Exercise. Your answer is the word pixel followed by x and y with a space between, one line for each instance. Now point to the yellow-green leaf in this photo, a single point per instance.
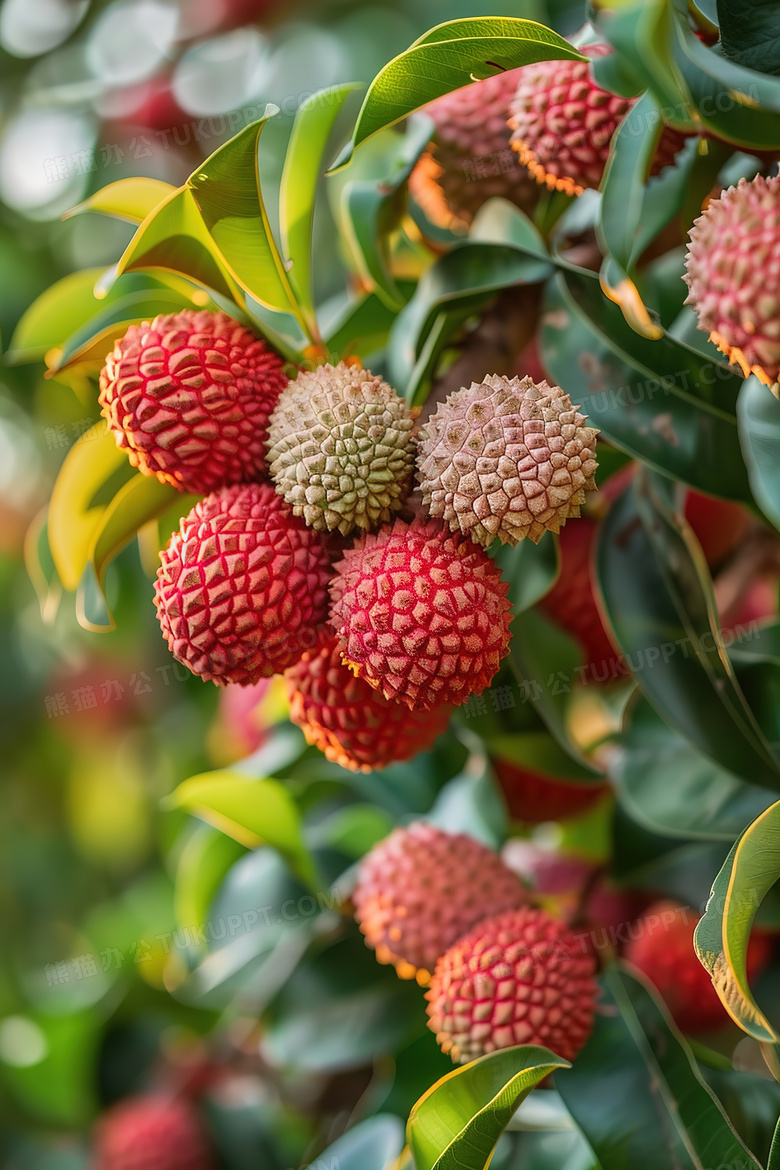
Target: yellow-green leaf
pixel 456 1124
pixel 722 936
pixel 129 199
pixel 252 812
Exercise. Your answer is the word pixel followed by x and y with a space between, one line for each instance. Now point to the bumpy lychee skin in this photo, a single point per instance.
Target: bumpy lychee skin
pixel 470 160
pixel 571 603
pixel 241 588
pixel 506 459
pixel 340 448
pixel 521 977
pixel 563 124
pixel 733 275
pixel 188 397
pixel 349 721
pixel 533 797
pixel 421 614
pixel 661 946
pixel 420 889
pixel 150 1133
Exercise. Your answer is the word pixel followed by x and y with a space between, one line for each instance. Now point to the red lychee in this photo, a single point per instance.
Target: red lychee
pixel 661 946
pixel 151 1133
pixel 351 722
pixel 241 589
pixel 420 889
pixel 518 978
pixel 534 797
pixel 188 396
pixel 421 614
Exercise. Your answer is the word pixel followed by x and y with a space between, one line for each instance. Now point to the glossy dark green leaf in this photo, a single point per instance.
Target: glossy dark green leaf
pixel 470 803
pixel 658 597
pixel 758 415
pixel 448 57
pixel 752 1103
pixel 456 1124
pixel 636 1093
pixel 374 1144
pixel 722 935
pixel 625 176
pixel 363 326
pixel 531 569
pixel 672 788
pixel 650 398
pixel 311 129
pixel 546 663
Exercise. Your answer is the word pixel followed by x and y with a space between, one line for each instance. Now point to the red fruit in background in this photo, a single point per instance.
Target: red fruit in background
pixel 151 1133
pixel 518 978
pixel 534 797
pixel 719 525
pixel 421 614
pixel 571 602
pixel 189 395
pixel 241 588
pixel 420 889
pixel 661 946
pixel 349 721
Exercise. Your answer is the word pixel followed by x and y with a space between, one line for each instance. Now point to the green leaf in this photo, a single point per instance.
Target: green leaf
pixel 353 830
pixel 539 751
pixel 40 567
pixel 456 1124
pixel 623 185
pixel 758 416
pixel 362 327
pixel 129 199
pixel 722 935
pixel 141 499
pixel 74 516
pixel 448 57
pixel 705 801
pixel 200 870
pixel 374 1144
pixel 371 210
pixel 649 398
pixel 451 290
pixel 774 1153
pixel 311 129
pixel 252 812
pixel 750 33
pixel 658 597
pixel 636 1093
pixel 470 803
pixel 545 661
pixel 531 569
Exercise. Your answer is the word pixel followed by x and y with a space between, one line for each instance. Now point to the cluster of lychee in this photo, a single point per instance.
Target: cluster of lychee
pixel 560 125
pixel 307 555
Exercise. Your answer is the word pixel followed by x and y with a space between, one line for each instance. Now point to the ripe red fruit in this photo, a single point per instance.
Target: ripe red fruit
pixel 188 397
pixel 534 797
pixel 563 124
pixel 151 1133
pixel 241 589
pixel 421 613
pixel 469 160
pixel 661 946
pixel 420 889
pixel 349 721
pixel 571 602
pixel 518 978
pixel 733 275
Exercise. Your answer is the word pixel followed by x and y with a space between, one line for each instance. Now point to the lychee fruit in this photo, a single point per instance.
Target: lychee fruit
pixel 521 977
pixel 340 448
pixel 506 458
pixel 420 889
pixel 151 1133
pixel 470 160
pixel 351 722
pixel 563 124
pixel 421 614
pixel 661 946
pixel 733 275
pixel 534 797
pixel 571 603
pixel 241 589
pixel 188 397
